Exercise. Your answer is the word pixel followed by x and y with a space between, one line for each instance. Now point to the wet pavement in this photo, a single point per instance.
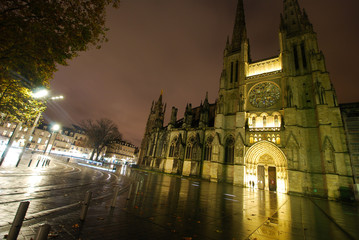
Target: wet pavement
pixel 163 207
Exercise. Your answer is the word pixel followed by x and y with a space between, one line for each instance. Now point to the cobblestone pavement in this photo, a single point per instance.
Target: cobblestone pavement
pixel 162 207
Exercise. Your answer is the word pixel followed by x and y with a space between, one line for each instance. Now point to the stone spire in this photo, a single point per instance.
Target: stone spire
pixel 239 30
pixel 294 20
pixel 204 114
pixel 188 116
pixel 205 103
pixel 159 104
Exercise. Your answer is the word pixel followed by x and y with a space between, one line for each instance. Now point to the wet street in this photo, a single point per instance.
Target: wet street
pixel 161 207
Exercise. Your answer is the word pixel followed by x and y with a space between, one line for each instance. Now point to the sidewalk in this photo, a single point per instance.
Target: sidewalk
pixel 168 207
pixel 171 207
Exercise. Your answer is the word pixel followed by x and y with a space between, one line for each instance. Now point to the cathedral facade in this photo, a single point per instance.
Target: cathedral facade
pixel 276 124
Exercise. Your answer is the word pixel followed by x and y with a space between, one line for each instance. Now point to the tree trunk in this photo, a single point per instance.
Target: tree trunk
pixel 97 154
pixel 92 154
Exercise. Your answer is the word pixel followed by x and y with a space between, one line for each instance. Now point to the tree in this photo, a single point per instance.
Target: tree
pixel 17 104
pixel 100 133
pixel 38 35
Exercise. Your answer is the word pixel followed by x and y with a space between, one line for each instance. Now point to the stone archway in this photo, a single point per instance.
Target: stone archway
pixel 266 167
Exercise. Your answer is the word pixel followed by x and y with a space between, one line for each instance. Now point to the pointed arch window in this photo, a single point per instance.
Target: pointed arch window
pixel 329 158
pixel 229 151
pixel 231 80
pixel 196 153
pixel 177 147
pixel 173 148
pixel 208 149
pixel 302 46
pixel 236 74
pixel 160 146
pixel 151 147
pixel 295 53
pixel 251 139
pixel 264 121
pixel 192 151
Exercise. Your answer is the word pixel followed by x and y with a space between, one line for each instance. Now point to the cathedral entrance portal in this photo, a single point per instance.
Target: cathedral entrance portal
pixel 266 167
pixel 272 180
pixel 261 177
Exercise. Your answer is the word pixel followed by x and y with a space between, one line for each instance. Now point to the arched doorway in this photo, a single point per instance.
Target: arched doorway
pixel 266 167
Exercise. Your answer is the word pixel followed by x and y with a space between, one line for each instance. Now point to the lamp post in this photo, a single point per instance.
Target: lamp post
pixel 41 94
pixel 54 128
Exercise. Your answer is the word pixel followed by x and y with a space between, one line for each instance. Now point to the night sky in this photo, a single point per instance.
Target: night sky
pixel 177 46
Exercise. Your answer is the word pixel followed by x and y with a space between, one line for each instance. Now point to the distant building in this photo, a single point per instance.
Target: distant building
pixel 68 141
pixel 121 152
pixel 39 139
pixel 276 124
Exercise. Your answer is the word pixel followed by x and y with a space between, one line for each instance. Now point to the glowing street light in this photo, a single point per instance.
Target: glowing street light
pixel 40 93
pixel 57 97
pixel 55 128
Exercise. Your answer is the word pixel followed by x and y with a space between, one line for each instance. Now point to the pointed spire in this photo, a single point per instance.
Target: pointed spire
pixel 306 20
pixel 205 105
pixel 239 30
pixel 293 19
pixel 173 116
pixel 160 98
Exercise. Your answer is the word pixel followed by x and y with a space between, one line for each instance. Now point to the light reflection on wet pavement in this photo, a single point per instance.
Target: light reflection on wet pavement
pixel 166 207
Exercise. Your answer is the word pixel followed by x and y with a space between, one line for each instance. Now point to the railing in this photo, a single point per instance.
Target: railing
pixel 266 66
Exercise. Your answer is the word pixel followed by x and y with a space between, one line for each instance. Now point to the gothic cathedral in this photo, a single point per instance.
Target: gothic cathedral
pixel 276 124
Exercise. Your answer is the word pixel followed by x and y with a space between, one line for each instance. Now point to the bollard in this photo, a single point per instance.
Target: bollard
pixel 129 192
pixel 137 186
pixel 113 204
pixel 85 205
pixel 48 163
pixel 38 161
pixel 43 232
pixel 141 184
pixel 19 218
pixel 136 192
pixel 43 162
pixel 29 163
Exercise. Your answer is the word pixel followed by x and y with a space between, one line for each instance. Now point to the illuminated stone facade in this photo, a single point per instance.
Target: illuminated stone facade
pixel 276 124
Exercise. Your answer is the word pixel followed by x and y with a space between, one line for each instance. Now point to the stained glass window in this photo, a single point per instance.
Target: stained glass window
pixel 264 95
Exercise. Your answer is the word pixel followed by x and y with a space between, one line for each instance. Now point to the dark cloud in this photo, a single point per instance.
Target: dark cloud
pixel 177 46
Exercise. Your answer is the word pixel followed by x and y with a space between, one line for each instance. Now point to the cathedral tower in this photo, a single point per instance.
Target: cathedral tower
pixel 315 145
pixel 154 124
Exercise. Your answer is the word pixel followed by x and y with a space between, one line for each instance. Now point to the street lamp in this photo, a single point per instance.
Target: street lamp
pixel 41 95
pixel 54 128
